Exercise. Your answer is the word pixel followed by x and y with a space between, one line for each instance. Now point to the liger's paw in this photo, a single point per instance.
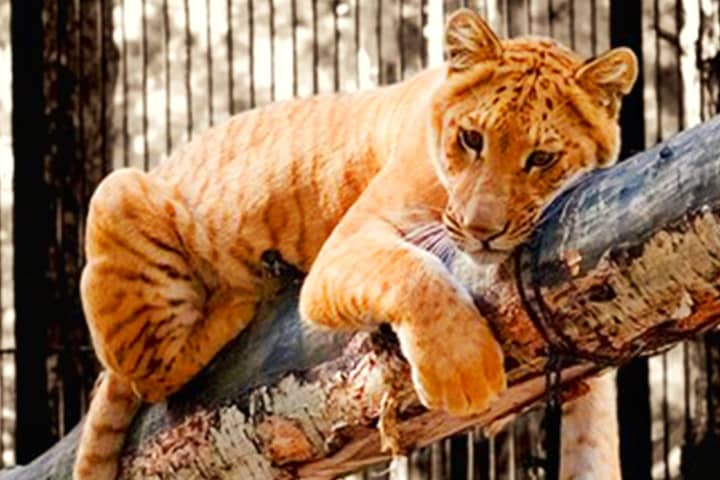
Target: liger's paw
pixel 456 364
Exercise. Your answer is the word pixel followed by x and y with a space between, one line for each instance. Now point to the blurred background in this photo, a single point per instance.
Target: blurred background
pixel 90 85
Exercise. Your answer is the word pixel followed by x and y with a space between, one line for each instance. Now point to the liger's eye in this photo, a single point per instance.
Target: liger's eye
pixel 540 159
pixel 471 140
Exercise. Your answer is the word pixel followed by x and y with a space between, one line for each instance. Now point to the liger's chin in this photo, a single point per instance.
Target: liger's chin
pixel 481 253
pixel 484 256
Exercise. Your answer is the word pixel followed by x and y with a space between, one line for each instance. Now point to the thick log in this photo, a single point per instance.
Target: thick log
pixel 624 264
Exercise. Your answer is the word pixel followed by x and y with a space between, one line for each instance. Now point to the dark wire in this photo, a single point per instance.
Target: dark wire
pixel 553 415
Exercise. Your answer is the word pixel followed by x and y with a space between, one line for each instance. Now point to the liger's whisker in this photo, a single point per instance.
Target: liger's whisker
pixel 421 232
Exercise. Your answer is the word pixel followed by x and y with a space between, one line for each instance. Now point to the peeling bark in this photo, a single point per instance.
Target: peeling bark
pixel 626 263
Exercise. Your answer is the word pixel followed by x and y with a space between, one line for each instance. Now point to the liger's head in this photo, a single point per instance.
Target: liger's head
pixel 514 123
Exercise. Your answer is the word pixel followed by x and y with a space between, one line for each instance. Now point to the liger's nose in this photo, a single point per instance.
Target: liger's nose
pixel 486 217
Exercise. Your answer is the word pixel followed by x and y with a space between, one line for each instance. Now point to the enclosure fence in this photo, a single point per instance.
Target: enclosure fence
pixel 100 84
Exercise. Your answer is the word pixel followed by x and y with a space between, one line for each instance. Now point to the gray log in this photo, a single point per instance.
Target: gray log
pixel 625 263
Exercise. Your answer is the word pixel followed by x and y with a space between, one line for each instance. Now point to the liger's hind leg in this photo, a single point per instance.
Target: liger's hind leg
pixel 153 320
pixel 193 348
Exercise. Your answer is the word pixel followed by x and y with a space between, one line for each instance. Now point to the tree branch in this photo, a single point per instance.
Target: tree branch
pixel 626 263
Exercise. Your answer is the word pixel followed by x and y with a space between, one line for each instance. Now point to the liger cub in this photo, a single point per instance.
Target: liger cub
pixel 337 184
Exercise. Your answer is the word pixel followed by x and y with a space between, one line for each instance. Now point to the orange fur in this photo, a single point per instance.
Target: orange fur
pixel 333 183
pixel 111 412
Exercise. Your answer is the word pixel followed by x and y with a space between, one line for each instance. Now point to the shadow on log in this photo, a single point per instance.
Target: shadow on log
pixel 624 264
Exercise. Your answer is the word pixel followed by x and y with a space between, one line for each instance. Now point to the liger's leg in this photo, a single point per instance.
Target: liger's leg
pixel 590 437
pixel 366 274
pixel 152 319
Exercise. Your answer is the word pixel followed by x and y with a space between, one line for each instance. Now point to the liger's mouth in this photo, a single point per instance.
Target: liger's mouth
pixel 487 241
pixel 476 248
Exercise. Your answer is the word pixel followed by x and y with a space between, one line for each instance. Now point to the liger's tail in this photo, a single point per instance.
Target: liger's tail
pixel 111 412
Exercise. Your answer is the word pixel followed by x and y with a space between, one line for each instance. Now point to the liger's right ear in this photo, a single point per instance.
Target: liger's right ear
pixel 610 76
pixel 615 71
pixel 469 40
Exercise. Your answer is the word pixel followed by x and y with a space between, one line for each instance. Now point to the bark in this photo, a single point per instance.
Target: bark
pixel 624 264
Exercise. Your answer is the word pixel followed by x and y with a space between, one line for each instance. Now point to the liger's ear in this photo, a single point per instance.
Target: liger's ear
pixel 609 76
pixel 469 40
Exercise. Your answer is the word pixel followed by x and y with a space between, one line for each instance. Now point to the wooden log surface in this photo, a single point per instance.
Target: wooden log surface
pixel 624 264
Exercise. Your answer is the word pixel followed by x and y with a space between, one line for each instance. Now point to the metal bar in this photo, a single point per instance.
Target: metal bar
pixel 571 20
pixel 710 372
pixel 593 25
pixel 658 72
pixel 188 70
pixel 209 61
pixel 106 167
pixel 80 73
pixel 230 59
pixel 72 195
pixel 271 19
pixel 665 418
pixel 357 43
pixel 145 125
pixel 378 39
pixel 166 54
pixel 701 68
pixel 687 396
pixel 458 456
pixel 682 121
pixel 471 455
pixel 293 13
pixel 528 9
pixel 59 185
pixel 551 17
pixel 315 49
pixel 31 240
pixel 125 130
pixel 492 462
pixel 336 47
pixel 423 40
pixel 512 472
pixel 401 38
pixel 508 21
pixel 633 387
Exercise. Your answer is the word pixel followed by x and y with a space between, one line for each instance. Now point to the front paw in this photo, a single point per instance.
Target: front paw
pixel 457 365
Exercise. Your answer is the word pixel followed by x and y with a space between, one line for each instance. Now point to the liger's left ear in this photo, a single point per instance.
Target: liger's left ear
pixel 469 40
pixel 609 76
